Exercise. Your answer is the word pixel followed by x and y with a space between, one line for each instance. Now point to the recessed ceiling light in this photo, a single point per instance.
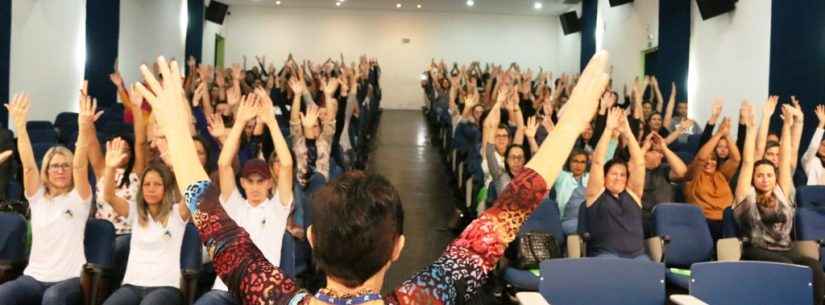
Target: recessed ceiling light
pixel 337 3
pixel 277 2
pixel 471 3
pixel 398 5
pixel 418 6
pixel 538 5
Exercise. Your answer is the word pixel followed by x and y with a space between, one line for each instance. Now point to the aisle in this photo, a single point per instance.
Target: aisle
pixel 403 155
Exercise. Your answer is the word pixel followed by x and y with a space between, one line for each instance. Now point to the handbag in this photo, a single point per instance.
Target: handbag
pixel 535 247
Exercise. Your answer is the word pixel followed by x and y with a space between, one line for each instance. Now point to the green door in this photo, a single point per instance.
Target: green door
pixel 219 51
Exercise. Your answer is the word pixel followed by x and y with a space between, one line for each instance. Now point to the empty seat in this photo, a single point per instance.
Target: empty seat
pixel 811 195
pixel 686 238
pixel 98 246
pixel 39 125
pixel 615 281
pixel 751 282
pixel 545 219
pixel 40 150
pixel 191 260
pixel 65 120
pixel 43 136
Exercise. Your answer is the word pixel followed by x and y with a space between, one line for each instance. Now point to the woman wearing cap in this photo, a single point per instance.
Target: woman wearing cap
pixel 358 231
pixel 263 217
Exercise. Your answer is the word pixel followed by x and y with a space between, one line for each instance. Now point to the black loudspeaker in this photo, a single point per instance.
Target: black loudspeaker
pixel 216 12
pixel 713 8
pixel 619 2
pixel 570 23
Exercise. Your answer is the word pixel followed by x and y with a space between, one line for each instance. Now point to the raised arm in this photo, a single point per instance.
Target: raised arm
pixel 530 133
pixel 298 87
pixel 595 184
pixel 671 103
pixel 748 159
pixel 681 129
pixel 80 172
pixel 712 120
pixel 810 154
pixel 140 124
pixel 115 155
pixel 785 178
pixel 678 168
pixel 796 131
pixel 246 112
pixel 762 138
pixel 19 110
pixel 657 94
pixel 285 179
pixel 168 100
pixel 636 164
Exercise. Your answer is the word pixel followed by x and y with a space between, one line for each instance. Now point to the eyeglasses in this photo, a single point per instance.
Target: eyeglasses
pixel 502 136
pixel 59 166
pixel 516 158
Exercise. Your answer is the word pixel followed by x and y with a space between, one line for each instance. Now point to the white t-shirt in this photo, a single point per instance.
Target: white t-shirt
pixel 58 226
pixel 265 224
pixel 154 252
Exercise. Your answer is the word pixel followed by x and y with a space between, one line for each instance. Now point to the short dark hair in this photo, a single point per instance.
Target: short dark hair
pixel 507 155
pixel 357 219
pixel 575 152
pixel 771 144
pixel 613 162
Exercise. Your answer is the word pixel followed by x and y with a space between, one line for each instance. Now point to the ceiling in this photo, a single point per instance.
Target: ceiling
pixel 508 7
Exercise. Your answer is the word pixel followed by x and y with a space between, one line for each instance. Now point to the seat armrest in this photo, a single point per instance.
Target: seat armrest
pixel 189 285
pixel 808 248
pixel 531 298
pixel 728 249
pixel 684 299
pixel 575 244
pixel 655 248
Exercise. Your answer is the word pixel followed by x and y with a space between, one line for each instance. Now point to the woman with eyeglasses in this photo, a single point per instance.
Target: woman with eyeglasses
pixel 60 200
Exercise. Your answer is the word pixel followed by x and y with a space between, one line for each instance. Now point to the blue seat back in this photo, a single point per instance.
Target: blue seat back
pixel 492 193
pixel 583 226
pixel 812 195
pixel 13 230
pixel 685 225
pixel 65 120
pixel 40 150
pixel 730 228
pixel 43 136
pixel 546 219
pixel 190 252
pixel 616 281
pixel 39 125
pixel 99 242
pixel 751 282
pixel 810 223
pixel 686 156
pixel 287 264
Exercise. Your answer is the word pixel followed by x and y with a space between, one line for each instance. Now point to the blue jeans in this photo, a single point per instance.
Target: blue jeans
pixel 121 256
pixel 217 297
pixel 26 290
pixel 136 295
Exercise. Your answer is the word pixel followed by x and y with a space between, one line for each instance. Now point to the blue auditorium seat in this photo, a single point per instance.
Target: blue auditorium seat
pixel 751 282
pixel 66 120
pixel 40 150
pixel 615 281
pixel 811 195
pixel 686 236
pixel 191 260
pixel 39 125
pixel 287 263
pixel 544 219
pixel 98 246
pixel 43 136
pixel 13 252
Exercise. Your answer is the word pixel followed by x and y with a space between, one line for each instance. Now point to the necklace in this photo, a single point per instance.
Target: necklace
pixel 330 297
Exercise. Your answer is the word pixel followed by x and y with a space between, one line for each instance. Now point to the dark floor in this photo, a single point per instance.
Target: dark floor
pixel 404 155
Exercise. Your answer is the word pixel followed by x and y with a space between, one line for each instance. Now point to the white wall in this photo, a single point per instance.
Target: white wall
pixel 623 31
pixel 149 28
pixel 568 50
pixel 47 54
pixel 210 29
pixel 319 34
pixel 730 58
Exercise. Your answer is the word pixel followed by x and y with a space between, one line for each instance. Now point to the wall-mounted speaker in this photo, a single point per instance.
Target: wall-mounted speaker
pixel 570 23
pixel 216 11
pixel 713 8
pixel 619 2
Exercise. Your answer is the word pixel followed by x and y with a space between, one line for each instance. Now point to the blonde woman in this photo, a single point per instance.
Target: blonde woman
pixel 60 200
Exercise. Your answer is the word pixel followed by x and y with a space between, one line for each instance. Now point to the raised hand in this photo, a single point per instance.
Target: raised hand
pixel 167 98
pixel 266 110
pixel 311 117
pixel 216 126
pixel 769 107
pixel 116 78
pixel 236 72
pixel 199 93
pixel 716 110
pixel 298 86
pixel 248 109
pixel 797 110
pixel 87 115
pixel 330 86
pixel 614 118
pixel 233 95
pixel 746 114
pixel 607 101
pixel 19 109
pixel 724 129
pixel 532 127
pixel 115 153
pixel 820 114
pixel 787 114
